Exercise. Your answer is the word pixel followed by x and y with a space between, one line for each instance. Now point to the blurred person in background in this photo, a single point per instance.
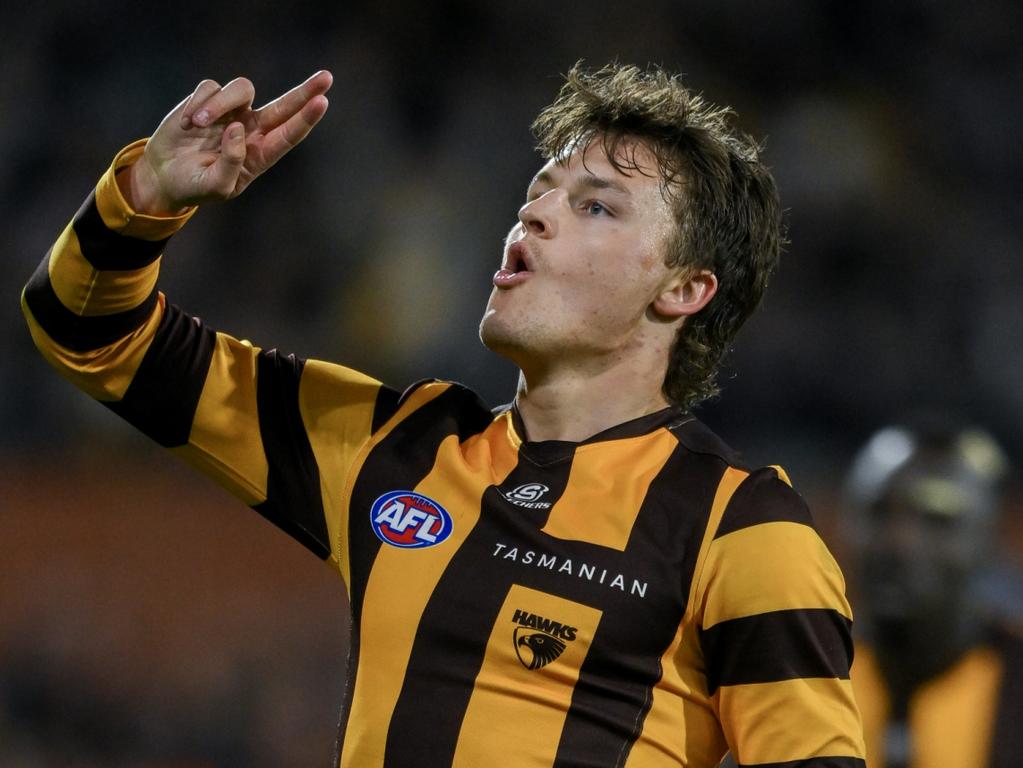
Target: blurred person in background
pixel 584 576
pixel 938 671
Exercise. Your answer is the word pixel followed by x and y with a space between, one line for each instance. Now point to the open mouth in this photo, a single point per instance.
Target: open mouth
pixel 518 260
pixel 516 268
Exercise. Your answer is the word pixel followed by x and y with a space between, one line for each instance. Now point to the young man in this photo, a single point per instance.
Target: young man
pixel 587 577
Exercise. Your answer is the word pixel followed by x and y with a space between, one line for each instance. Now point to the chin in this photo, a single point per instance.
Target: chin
pixel 508 342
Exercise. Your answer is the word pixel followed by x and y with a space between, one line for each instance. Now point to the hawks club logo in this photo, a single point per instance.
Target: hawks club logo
pixel 409 520
pixel 539 641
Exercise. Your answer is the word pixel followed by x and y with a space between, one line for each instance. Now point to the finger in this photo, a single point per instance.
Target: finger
pixel 203 91
pixel 222 175
pixel 280 109
pixel 237 94
pixel 284 137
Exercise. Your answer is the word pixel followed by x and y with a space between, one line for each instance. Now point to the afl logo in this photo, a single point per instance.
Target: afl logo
pixel 409 520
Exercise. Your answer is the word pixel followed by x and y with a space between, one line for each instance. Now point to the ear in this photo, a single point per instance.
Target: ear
pixel 686 293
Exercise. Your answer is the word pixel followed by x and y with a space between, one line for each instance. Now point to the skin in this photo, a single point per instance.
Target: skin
pixel 592 322
pixel 214 144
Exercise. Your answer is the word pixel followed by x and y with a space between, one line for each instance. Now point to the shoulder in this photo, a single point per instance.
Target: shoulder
pixel 436 402
pixel 749 495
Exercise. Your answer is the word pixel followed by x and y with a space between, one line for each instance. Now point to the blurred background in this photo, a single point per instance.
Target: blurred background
pixel 148 619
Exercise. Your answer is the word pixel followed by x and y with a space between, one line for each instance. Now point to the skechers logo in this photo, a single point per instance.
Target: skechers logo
pixel 528 496
pixel 539 641
pixel 409 520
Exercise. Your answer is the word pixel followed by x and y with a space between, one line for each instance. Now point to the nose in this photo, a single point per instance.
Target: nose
pixel 537 216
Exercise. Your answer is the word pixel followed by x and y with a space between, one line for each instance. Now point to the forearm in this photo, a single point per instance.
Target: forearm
pixel 92 305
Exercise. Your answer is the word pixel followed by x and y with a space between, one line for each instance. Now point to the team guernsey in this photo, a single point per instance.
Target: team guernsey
pixel 636 599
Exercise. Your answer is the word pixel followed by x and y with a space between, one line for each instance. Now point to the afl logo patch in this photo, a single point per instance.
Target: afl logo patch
pixel 409 520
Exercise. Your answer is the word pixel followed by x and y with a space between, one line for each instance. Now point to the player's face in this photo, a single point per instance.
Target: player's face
pixel 584 263
pixel 925 539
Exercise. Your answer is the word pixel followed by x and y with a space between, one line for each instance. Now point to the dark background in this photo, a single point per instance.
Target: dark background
pixel 146 618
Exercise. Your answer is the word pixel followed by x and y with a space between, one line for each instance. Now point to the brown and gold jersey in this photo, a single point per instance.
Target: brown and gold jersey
pixel 636 599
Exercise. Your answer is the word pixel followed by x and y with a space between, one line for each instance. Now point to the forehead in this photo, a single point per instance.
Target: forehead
pixel 634 168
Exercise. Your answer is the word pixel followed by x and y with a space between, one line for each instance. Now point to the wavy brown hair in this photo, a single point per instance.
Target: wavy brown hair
pixel 728 217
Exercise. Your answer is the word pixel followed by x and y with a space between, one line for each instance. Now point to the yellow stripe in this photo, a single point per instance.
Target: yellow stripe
pixel 88 292
pixel 951 717
pixel 681 720
pixel 119 216
pixel 681 726
pixel 512 705
pixel 820 720
pixel 782 475
pixel 416 400
pixel 337 406
pixel 730 481
pixel 102 373
pixel 402 581
pixel 225 441
pixel 770 567
pixel 583 512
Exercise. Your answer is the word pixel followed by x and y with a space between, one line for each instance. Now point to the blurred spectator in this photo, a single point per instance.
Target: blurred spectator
pixel 939 661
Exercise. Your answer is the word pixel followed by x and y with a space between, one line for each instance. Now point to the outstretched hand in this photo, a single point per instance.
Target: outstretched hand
pixel 214 144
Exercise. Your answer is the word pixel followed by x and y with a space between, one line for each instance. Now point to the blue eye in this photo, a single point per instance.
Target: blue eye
pixel 596 208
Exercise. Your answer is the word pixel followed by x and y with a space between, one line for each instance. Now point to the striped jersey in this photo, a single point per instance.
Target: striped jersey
pixel 636 599
pixel 968 714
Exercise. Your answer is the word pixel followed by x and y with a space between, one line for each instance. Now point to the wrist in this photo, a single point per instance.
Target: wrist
pixel 141 189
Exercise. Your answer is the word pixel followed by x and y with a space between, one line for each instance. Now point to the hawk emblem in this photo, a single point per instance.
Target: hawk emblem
pixel 536 649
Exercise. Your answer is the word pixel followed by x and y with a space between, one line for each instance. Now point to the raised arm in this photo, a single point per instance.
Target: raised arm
pixel 265 425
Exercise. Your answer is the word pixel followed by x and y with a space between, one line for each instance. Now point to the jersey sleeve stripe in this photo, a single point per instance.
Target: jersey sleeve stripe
pixel 293 500
pixel 770 567
pixel 824 708
pixel 106 249
pixel 781 645
pixel 163 395
pixel 758 501
pixel 813 762
pixel 75 332
pixel 88 292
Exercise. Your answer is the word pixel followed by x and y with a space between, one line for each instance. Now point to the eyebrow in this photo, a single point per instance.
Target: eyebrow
pixel 589 181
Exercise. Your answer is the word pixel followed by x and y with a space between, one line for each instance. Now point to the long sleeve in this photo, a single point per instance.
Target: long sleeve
pixel 266 426
pixel 774 629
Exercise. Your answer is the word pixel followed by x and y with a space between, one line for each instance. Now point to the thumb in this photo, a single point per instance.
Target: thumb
pixel 223 174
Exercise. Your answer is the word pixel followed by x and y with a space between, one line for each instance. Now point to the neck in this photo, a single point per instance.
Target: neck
pixel 571 404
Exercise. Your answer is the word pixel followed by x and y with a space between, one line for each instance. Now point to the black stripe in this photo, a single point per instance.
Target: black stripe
pixel 698 438
pixel 162 397
pixel 400 461
pixel 293 500
pixel 812 762
pixel 763 498
pixel 106 249
pixel 77 333
pixel 386 406
pixel 780 645
pixel 458 622
pixel 615 688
